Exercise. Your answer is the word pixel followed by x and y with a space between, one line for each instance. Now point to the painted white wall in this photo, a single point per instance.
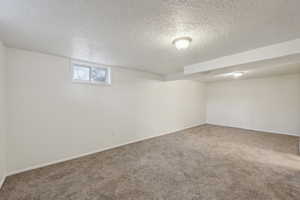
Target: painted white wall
pixel 3 96
pixel 269 104
pixel 51 119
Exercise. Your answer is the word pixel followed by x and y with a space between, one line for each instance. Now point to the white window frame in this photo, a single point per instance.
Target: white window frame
pixel 90 66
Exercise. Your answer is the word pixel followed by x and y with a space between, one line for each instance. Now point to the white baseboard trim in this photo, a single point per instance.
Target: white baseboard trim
pixel 99 150
pixel 253 129
pixel 2 181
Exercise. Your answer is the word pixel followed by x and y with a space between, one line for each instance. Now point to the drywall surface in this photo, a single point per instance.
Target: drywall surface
pixel 2 113
pixel 269 104
pixel 51 118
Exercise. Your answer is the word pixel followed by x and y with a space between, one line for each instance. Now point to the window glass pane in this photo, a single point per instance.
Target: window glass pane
pixel 99 74
pixel 81 73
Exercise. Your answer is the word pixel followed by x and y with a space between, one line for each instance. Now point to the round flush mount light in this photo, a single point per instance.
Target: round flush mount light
pixel 182 42
pixel 237 74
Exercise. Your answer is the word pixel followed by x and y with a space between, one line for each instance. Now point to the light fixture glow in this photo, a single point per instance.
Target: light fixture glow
pixel 182 43
pixel 232 74
pixel 237 74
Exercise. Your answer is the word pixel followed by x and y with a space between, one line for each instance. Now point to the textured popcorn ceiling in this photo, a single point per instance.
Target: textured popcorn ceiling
pixel 138 33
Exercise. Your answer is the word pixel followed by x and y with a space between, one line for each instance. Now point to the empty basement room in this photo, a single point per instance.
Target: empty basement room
pixel 149 100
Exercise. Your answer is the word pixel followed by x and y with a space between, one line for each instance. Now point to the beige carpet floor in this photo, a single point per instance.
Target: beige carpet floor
pixel 207 162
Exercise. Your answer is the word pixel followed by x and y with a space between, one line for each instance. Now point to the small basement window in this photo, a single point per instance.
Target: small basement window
pixel 83 72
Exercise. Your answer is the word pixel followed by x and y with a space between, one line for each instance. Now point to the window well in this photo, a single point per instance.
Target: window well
pixel 84 72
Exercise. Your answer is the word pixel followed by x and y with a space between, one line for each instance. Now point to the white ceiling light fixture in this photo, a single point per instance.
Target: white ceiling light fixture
pixel 237 74
pixel 182 42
